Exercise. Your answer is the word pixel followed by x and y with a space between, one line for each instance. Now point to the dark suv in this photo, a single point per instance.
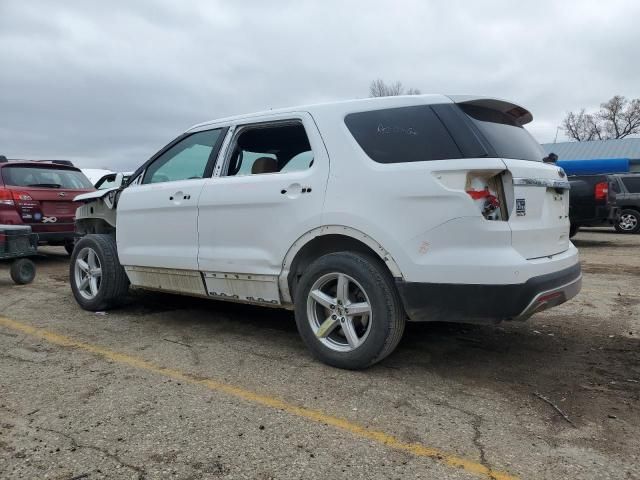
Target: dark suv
pixel 40 194
pixel 627 189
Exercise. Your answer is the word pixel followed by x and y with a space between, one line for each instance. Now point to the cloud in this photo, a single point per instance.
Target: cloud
pixel 109 83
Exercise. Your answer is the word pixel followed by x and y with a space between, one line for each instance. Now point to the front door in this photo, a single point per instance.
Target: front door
pixel 157 216
pixel 267 194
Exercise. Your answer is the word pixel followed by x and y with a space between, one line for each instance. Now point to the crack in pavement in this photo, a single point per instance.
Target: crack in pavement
pixel 74 443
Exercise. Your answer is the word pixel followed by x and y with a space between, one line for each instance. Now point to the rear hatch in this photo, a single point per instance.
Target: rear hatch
pixel 537 193
pixel 43 193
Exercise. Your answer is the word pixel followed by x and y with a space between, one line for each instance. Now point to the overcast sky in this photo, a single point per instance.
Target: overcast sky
pixel 107 83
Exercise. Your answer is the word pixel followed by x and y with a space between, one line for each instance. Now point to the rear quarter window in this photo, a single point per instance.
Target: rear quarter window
pixel 405 134
pixel 632 184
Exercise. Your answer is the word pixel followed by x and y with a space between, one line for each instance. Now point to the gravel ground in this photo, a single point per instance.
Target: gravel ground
pixel 172 387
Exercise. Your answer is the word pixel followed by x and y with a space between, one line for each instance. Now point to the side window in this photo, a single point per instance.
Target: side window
pixel 188 159
pixel 405 134
pixel 632 184
pixel 270 149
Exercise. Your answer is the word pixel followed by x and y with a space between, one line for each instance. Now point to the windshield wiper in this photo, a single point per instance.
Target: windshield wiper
pixel 46 185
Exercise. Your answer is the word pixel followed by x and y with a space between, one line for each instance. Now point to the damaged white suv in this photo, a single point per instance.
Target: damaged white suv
pixel 358 215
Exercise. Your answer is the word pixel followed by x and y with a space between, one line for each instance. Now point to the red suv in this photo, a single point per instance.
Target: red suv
pixel 40 194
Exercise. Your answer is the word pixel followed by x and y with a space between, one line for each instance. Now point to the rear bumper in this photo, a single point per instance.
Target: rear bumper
pixel 488 303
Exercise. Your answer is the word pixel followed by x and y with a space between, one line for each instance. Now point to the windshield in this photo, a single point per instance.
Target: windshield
pixel 45 177
pixel 507 138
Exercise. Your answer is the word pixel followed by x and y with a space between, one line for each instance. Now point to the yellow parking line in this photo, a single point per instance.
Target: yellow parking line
pixel 265 400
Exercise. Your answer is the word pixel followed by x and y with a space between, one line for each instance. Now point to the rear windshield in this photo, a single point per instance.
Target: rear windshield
pixel 27 176
pixel 508 139
pixel 405 134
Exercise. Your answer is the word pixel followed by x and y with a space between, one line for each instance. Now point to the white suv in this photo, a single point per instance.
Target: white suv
pixel 358 215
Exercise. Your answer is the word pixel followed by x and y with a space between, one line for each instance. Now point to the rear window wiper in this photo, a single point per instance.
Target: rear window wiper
pixel 45 185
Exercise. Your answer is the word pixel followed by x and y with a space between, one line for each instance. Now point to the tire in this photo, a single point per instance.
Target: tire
pixel 370 286
pixel 92 290
pixel 23 271
pixel 573 229
pixel 629 221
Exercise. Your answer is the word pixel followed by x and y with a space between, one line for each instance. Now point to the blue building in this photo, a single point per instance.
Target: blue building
pixel 598 156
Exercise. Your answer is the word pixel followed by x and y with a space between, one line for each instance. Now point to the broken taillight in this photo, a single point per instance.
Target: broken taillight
pixel 486 192
pixel 601 190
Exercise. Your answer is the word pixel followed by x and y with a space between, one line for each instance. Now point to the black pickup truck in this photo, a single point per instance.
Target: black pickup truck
pixel 592 202
pixel 626 188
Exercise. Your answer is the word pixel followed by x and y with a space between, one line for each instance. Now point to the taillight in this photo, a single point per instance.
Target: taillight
pixel 10 197
pixel 6 198
pixel 601 190
pixel 486 193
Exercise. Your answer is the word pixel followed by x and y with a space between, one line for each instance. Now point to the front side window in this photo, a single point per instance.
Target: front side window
pixel 270 149
pixel 45 177
pixel 405 134
pixel 190 158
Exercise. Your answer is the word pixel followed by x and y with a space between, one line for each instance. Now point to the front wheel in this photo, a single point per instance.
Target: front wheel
pixel 98 281
pixel 348 311
pixel 629 221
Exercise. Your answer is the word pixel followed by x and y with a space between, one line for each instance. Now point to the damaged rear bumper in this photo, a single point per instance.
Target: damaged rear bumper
pixel 424 302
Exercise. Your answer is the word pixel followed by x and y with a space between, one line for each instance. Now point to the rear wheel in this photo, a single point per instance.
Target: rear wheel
pixel 23 271
pixel 629 221
pixel 98 281
pixel 348 311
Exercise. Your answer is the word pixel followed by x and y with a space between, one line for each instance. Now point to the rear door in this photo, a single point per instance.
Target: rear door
pixel 267 194
pixel 538 192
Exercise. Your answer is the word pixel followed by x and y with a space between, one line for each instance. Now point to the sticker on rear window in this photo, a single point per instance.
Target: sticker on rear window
pixel 521 207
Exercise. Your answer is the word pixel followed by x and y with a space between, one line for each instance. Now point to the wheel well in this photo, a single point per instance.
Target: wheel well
pixel 324 245
pixel 93 225
pixel 631 207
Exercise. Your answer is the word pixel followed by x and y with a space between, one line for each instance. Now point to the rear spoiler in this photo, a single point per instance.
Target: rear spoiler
pixel 521 115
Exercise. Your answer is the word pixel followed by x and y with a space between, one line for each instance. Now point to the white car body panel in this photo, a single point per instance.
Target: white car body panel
pixel 157 226
pixel 246 224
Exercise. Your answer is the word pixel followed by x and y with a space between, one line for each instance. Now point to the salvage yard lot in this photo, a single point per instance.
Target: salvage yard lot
pixel 171 387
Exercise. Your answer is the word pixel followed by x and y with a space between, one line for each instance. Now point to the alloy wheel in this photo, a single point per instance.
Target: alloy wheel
pixel 339 312
pixel 628 222
pixel 88 273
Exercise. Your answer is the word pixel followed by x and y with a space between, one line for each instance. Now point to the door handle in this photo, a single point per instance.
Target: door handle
pixel 295 189
pixel 177 195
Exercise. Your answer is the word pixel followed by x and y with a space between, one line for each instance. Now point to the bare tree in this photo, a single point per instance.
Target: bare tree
pixel 617 118
pixel 581 126
pixel 378 88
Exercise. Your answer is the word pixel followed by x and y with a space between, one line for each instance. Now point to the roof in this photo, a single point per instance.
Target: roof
pixel 596 149
pixel 349 106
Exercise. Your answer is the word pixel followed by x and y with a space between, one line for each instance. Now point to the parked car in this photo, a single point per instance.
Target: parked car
pixel 591 202
pixel 356 215
pixel 627 199
pixel 112 180
pixel 40 195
